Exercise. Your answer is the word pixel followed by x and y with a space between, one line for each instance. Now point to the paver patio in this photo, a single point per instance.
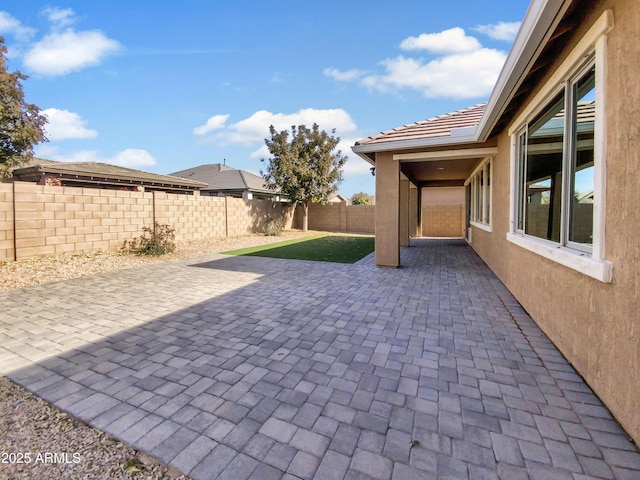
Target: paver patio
pixel 249 367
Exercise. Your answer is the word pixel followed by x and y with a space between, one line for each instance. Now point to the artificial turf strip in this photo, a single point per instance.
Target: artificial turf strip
pixel 330 248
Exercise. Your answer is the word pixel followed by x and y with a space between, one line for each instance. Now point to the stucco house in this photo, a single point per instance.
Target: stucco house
pixel 542 181
pixel 223 181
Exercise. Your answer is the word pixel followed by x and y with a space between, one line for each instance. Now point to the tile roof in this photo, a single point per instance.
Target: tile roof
pixel 222 178
pixel 440 126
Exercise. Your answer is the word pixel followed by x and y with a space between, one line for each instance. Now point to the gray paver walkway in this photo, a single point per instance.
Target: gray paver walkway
pixel 247 367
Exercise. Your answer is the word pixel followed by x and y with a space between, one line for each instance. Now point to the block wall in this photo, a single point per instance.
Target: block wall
pixel 361 218
pixel 50 219
pixel 339 217
pixel 443 211
pixel 442 220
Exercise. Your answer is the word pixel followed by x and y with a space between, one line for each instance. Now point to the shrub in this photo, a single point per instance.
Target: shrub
pixel 273 228
pixel 154 241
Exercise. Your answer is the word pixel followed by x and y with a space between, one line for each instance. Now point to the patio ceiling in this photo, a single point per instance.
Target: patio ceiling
pixel 439 172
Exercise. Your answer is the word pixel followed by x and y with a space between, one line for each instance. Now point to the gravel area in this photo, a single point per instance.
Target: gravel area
pixel 40 442
pixel 24 273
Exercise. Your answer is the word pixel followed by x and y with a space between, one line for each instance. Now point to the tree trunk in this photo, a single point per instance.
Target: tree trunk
pixel 305 217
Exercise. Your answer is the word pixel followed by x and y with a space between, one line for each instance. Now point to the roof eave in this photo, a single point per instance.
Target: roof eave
pixel 409 144
pixel 44 169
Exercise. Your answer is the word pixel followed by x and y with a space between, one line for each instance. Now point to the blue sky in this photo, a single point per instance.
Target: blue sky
pixel 164 86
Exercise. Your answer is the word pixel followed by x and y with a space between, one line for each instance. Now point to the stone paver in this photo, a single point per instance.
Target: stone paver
pixel 246 367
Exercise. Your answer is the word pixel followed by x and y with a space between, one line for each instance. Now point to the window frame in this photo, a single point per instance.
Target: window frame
pixel 481 185
pixel 589 261
pixel 566 97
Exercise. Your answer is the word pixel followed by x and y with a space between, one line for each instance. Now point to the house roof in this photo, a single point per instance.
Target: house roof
pixel 219 177
pixel 102 173
pixel 533 42
pixel 440 126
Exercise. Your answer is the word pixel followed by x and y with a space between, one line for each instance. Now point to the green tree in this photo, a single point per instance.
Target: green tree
pixel 361 198
pixel 21 124
pixel 303 165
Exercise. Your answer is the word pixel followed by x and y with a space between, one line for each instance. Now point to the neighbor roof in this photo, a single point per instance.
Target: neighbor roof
pixel 101 173
pixel 219 177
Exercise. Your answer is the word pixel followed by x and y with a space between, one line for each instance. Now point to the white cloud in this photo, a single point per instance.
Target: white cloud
pixel 59 17
pixel 506 31
pixel 345 76
pixel 262 152
pixel 47 151
pixel 454 40
pixel 12 26
pixel 356 167
pixel 254 129
pixel 465 75
pixel 133 157
pixel 214 123
pixel 458 67
pixel 60 53
pixel 65 125
pixel 130 157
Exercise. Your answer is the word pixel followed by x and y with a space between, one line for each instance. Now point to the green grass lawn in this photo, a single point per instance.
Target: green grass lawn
pixel 329 248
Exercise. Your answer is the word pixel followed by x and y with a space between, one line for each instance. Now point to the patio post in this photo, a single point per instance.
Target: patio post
pixel 387 247
pixel 404 210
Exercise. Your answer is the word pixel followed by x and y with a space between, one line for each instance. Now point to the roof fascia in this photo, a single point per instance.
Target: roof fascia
pixel 417 143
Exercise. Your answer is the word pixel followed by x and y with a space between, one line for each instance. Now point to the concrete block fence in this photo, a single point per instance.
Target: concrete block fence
pixel 340 217
pixel 40 220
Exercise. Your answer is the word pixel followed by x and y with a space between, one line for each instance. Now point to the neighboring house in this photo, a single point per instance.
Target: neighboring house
pixel 101 175
pixel 226 181
pixel 545 176
pixel 337 198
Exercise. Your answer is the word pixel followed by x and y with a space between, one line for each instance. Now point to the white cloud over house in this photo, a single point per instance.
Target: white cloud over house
pixel 451 64
pixel 252 131
pixel 66 125
pixel 505 31
pixel 133 157
pixel 130 157
pixel 255 128
pixel 214 123
pixel 453 40
pixel 463 75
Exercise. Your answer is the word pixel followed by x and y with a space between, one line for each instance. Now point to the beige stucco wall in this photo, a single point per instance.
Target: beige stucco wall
pixel 595 325
pixel 443 211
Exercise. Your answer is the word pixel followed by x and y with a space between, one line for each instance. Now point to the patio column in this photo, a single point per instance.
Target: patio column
pixel 405 189
pixel 387 248
pixel 414 211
